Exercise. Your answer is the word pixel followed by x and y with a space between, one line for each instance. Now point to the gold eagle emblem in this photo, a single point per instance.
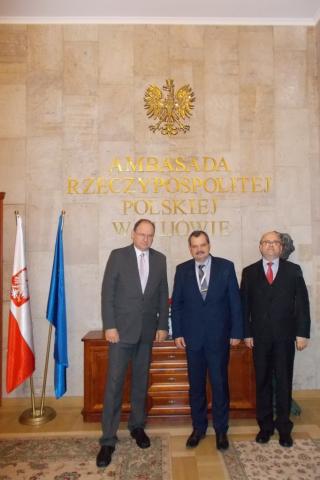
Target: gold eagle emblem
pixel 170 111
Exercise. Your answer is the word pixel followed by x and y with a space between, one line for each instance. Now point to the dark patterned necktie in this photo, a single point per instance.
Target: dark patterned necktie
pixel 203 282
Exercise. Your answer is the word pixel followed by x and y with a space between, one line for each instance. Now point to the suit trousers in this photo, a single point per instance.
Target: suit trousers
pixel 215 362
pixel 273 361
pixel 120 354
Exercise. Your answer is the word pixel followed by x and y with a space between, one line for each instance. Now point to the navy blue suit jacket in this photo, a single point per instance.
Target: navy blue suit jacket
pixel 213 321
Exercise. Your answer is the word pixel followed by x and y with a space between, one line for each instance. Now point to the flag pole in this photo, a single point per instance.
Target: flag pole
pixel 33 407
pixel 44 414
pixel 44 383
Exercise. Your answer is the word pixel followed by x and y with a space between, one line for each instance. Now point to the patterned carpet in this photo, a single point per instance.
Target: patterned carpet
pixel 248 460
pixel 73 458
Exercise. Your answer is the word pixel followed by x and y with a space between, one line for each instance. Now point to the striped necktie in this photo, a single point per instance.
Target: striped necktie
pixel 203 282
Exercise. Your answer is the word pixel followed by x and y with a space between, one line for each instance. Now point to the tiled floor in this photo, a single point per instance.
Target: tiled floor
pixel 202 463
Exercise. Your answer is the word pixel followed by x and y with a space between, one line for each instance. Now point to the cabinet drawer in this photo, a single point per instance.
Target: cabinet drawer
pixel 170 355
pixel 169 381
pixel 169 404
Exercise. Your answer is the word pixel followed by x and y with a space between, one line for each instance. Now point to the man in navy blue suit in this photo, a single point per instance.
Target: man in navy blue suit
pixel 206 320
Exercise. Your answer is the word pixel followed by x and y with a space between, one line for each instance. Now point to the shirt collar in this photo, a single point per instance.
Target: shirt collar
pixel 275 262
pixel 206 263
pixel 138 252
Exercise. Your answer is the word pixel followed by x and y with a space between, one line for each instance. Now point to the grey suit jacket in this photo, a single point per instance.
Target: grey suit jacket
pixel 134 314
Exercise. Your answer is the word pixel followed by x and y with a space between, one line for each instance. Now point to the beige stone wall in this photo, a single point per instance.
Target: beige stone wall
pixel 71 100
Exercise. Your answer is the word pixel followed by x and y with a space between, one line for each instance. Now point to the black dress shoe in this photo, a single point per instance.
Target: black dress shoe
pixel 104 456
pixel 263 436
pixel 222 441
pixel 195 438
pixel 142 440
pixel 285 440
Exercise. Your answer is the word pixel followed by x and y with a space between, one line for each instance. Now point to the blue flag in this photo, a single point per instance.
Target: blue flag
pixel 56 314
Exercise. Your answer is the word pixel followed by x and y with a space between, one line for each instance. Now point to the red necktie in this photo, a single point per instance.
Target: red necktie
pixel 269 273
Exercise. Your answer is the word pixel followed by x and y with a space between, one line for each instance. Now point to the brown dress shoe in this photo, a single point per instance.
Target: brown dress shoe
pixel 104 456
pixel 195 438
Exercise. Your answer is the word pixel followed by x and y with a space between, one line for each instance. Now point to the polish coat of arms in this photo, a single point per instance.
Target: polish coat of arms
pixel 171 110
pixel 19 290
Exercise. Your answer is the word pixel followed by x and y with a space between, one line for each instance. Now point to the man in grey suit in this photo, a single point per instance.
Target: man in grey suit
pixel 134 304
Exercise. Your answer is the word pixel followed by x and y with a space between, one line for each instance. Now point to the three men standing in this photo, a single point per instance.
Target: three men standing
pixel 206 319
pixel 134 301
pixel 277 318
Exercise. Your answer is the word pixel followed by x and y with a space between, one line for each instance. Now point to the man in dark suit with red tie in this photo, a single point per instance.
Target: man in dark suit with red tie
pixel 206 319
pixel 277 319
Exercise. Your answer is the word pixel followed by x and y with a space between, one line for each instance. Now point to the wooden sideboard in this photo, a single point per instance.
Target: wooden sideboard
pixel 168 381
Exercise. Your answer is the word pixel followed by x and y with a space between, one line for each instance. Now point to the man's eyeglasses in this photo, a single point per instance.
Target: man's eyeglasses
pixel 268 243
pixel 143 235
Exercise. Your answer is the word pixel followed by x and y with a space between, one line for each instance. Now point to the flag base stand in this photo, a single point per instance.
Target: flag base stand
pixel 36 417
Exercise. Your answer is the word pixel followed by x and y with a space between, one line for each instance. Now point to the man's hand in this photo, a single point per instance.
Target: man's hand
pixel 112 335
pixel 180 343
pixel 301 343
pixel 249 342
pixel 234 341
pixel 161 335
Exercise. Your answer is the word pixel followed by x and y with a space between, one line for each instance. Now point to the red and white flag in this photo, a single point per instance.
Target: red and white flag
pixel 20 354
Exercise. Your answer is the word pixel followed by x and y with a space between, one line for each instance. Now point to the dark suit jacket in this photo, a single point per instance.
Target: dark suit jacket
pixel 279 311
pixel 135 314
pixel 213 320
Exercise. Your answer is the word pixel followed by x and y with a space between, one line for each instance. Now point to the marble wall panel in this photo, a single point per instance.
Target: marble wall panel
pixel 80 68
pixel 13 111
pixel 151 57
pixel 290 78
pixel 13 73
pixel 186 43
pixel 44 164
pixel 116 54
pixel 256 61
pixel 13 43
pixel 44 103
pixel 221 116
pixel 115 113
pixel 292 137
pixel 292 192
pixel 288 38
pixel 81 234
pixel 256 113
pixel 13 169
pixel 257 158
pixel 81 33
pixel 80 143
pixel 45 48
pixel 42 214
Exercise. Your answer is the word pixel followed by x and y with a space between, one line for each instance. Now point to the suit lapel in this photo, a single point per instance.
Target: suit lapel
pixel 214 277
pixel 133 266
pixel 151 270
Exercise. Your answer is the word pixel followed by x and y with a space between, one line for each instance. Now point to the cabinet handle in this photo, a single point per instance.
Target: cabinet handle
pixel 172 379
pixel 171 356
pixel 172 402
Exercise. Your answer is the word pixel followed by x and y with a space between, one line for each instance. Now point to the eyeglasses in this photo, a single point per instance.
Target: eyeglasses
pixel 143 235
pixel 268 243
